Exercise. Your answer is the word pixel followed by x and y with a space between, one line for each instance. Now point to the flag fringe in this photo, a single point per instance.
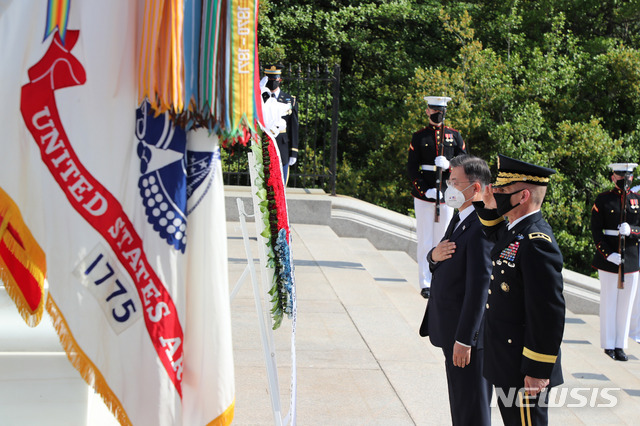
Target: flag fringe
pixel 226 417
pixel 83 364
pixel 27 252
pixel 31 318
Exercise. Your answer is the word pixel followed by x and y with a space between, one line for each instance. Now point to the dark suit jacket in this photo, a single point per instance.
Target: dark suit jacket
pixel 459 288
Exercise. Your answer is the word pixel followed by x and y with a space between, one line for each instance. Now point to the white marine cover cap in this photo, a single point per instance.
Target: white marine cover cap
pixel 623 167
pixel 438 101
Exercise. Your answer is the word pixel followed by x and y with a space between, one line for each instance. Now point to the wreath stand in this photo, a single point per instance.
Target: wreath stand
pixel 266 332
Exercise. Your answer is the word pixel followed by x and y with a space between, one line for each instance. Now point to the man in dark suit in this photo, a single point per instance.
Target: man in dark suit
pixel 525 311
pixel 287 140
pixel 461 266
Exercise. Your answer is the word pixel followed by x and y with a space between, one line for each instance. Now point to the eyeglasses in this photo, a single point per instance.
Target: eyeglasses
pixel 455 182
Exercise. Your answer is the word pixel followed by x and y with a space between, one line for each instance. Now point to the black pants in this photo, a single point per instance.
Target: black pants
pixel 520 409
pixel 469 391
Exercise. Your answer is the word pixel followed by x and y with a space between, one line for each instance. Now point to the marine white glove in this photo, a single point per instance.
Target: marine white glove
pixel 442 162
pixel 292 161
pixel 625 229
pixel 431 193
pixel 614 258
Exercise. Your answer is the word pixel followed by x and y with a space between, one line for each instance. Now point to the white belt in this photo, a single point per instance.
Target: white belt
pixel 428 167
pixel 613 232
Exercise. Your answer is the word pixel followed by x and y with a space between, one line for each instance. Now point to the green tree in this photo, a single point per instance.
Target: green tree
pixel 554 82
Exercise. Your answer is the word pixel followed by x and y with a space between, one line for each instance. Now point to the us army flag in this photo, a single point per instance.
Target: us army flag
pixel 128 210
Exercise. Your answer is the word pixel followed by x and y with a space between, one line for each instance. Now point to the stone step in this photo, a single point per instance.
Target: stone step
pixel 38 384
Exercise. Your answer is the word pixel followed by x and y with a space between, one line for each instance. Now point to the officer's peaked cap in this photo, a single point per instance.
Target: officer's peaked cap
pixel 437 101
pixel 623 167
pixel 511 171
pixel 273 71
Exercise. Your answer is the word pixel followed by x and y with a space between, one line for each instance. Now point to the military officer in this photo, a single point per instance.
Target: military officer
pixel 525 309
pixel 287 140
pixel 615 232
pixel 430 153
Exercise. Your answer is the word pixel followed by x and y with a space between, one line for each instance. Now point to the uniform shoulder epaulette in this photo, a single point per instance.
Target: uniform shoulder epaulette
pixel 451 128
pixel 535 235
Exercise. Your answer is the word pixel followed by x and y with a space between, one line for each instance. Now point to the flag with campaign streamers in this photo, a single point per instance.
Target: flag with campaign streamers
pixel 128 207
pixel 198 61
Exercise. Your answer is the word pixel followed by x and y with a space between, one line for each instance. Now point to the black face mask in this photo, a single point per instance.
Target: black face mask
pixel 437 117
pixel 503 202
pixel 620 183
pixel 273 84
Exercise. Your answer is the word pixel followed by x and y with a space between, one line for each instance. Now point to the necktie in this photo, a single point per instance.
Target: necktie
pixel 452 225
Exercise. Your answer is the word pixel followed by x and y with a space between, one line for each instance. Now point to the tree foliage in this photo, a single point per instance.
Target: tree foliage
pixel 554 82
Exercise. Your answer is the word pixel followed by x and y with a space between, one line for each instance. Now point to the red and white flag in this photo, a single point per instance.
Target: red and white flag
pixel 128 210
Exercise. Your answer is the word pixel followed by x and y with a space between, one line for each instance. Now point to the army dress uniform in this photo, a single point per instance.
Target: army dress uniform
pixel 525 311
pixel 615 304
pixel 524 314
pixel 421 169
pixel 287 140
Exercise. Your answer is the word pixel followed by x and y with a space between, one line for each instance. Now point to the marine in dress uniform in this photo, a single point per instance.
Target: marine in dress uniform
pixel 634 328
pixel 525 308
pixel 426 154
pixel 608 224
pixel 461 267
pixel 287 140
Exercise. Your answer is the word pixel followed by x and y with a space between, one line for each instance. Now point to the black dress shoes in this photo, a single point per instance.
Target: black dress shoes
pixel 617 354
pixel 620 355
pixel 425 292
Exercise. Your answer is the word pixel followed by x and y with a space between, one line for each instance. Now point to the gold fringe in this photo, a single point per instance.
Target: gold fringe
pixel 31 318
pixel 225 418
pixel 83 364
pixel 31 256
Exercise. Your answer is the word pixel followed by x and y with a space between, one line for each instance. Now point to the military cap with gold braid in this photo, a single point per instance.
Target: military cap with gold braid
pixel 273 70
pixel 511 171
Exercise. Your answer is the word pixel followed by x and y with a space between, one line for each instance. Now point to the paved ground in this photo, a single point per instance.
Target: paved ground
pixel 360 359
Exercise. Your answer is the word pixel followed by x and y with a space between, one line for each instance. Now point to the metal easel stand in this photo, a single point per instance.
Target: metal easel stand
pixel 266 333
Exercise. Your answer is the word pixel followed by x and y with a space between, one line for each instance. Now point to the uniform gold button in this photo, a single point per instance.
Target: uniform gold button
pixel 492 277
pixel 509 341
pixel 493 263
pixel 489 291
pixel 502 272
pixel 487 306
